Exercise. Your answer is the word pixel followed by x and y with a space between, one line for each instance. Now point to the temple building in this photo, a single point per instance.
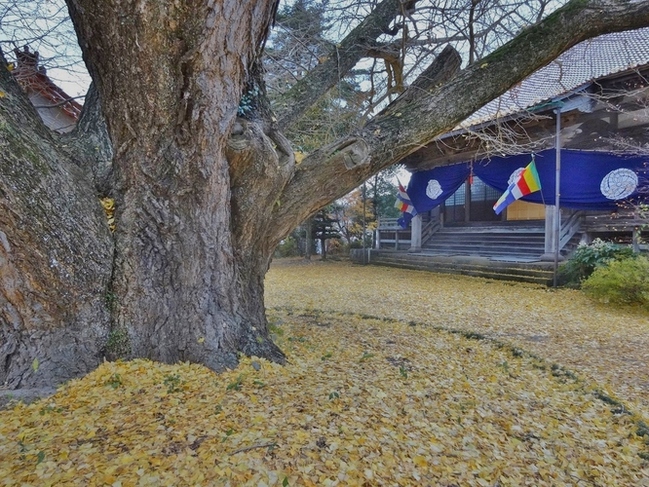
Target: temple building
pixel 583 118
pixel 58 110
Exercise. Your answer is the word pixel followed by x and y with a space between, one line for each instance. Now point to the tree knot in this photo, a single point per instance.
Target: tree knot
pixel 357 153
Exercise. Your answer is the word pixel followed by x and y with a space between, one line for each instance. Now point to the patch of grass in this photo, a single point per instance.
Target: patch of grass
pixel 403 372
pixel 366 356
pixel 473 335
pixel 299 339
pixel 643 430
pixel 114 381
pixel 173 382
pixel 235 385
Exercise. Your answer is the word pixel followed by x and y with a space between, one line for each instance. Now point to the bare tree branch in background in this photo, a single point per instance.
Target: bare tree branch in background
pixel 45 26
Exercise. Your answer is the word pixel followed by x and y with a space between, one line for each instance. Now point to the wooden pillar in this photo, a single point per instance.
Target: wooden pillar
pixel 439 214
pixel 550 229
pixel 467 200
pixel 415 234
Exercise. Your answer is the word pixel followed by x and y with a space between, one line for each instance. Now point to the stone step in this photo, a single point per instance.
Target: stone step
pixel 474 272
pixel 491 239
pixel 491 229
pixel 493 270
pixel 488 244
pixel 492 235
pixel 518 241
pixel 511 268
pixel 485 247
pixel 498 256
pixel 486 273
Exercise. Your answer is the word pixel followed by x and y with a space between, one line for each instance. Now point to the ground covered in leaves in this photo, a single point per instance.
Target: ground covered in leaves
pixel 607 345
pixel 362 401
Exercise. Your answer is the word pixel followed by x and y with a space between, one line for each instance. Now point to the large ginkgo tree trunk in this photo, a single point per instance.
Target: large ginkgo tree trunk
pixel 202 196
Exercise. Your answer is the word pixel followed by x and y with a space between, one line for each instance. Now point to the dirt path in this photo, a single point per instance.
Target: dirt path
pixel 606 345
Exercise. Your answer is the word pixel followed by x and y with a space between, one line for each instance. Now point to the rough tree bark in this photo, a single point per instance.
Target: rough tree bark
pixel 190 254
pixel 55 253
pixel 202 198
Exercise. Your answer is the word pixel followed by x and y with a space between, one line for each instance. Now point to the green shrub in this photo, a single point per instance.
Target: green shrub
pixel 358 243
pixel 287 248
pixel 587 258
pixel 620 282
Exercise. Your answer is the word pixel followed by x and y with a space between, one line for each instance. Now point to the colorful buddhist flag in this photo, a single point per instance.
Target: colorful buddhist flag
pixel 527 182
pixel 405 206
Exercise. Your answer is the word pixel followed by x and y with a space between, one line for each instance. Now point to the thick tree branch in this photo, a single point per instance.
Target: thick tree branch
pixel 353 159
pixel 52 230
pixel 89 143
pixel 16 100
pixel 304 94
pixel 428 109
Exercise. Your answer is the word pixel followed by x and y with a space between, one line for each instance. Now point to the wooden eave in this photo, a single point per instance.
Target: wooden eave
pixel 619 95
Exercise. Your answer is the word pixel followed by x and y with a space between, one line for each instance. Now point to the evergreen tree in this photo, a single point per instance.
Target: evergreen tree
pixel 324 228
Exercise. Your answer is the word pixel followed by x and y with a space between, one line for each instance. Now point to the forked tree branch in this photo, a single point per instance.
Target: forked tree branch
pixel 304 94
pixel 432 107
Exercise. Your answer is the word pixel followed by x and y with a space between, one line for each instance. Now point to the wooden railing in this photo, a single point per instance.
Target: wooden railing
pixel 621 222
pixel 392 236
pixel 429 229
pixel 569 227
pixel 388 223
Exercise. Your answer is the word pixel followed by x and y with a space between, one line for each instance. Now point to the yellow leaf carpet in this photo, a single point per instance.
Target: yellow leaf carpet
pixel 362 401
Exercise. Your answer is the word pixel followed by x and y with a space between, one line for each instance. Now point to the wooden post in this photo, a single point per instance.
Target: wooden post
pixel 415 234
pixel 557 198
pixel 467 200
pixel 549 233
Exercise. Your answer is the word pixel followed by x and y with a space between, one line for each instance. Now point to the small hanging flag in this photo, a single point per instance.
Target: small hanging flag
pixel 527 182
pixel 405 206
